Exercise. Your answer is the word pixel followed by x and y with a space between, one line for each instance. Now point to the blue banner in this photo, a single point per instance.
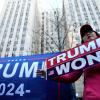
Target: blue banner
pixel 19 81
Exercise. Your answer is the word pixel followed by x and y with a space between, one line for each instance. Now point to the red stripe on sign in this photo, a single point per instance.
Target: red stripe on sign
pixel 74 53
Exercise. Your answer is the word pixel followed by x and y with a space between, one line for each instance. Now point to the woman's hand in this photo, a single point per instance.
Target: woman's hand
pixel 41 73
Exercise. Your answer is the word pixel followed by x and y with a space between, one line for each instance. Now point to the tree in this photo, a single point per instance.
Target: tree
pixel 61 30
pixel 55 29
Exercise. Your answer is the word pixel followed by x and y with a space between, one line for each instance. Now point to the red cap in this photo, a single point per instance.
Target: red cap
pixel 85 29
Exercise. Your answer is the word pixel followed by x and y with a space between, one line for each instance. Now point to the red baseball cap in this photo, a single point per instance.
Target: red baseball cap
pixel 85 29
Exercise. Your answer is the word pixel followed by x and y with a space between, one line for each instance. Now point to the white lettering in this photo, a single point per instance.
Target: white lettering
pixel 75 67
pixel 27 71
pixel 98 42
pixel 43 65
pixel 90 58
pixel 91 45
pixel 52 61
pixel 1 65
pixel 75 54
pixel 62 68
pixel 13 72
pixel 61 57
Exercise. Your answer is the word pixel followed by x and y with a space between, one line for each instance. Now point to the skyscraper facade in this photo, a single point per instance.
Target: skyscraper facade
pixel 85 11
pixel 16 27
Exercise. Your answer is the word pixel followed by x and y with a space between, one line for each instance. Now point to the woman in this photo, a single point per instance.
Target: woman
pixel 91 75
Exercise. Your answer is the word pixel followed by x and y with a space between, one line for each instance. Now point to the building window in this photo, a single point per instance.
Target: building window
pixel 22 48
pixel 0 49
pixel 14 49
pixel 7 49
pixel 22 41
pixel 16 42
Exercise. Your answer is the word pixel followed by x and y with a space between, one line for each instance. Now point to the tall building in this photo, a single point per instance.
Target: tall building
pixel 16 27
pixel 49 31
pixel 85 11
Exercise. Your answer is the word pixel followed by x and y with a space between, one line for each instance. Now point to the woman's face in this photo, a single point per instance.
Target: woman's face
pixel 89 36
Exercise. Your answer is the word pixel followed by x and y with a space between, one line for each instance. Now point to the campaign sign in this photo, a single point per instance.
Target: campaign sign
pixel 19 80
pixel 83 56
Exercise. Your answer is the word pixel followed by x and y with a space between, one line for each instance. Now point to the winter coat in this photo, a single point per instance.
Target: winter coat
pixel 91 81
